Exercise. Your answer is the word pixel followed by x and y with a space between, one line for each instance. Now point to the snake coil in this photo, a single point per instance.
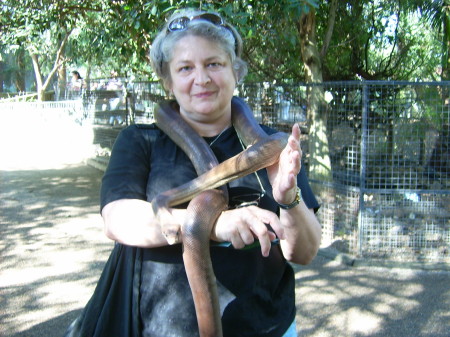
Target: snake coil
pixel 207 202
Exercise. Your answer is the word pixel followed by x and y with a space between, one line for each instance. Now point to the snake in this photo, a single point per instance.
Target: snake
pixel 208 197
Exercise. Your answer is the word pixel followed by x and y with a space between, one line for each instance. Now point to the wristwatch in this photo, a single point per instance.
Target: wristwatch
pixel 296 201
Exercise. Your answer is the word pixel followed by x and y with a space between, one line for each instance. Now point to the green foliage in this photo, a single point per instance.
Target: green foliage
pixel 376 42
pixel 369 40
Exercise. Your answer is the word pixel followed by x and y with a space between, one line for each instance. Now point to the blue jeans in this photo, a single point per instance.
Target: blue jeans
pixel 291 332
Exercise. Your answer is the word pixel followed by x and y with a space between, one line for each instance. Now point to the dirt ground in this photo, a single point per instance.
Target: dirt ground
pixel 53 250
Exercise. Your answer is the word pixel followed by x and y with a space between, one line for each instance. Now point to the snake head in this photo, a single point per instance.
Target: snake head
pixel 170 227
pixel 172 233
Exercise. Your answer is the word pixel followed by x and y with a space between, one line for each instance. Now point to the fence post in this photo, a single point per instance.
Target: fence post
pixel 362 170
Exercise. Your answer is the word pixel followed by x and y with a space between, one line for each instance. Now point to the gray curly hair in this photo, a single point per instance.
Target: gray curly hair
pixel 225 35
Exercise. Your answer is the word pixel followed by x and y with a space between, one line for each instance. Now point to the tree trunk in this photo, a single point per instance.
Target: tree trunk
pixel 19 80
pixel 446 41
pixel 319 158
pixel 62 82
pixel 2 67
pixel 42 86
pixel 88 75
pixel 38 75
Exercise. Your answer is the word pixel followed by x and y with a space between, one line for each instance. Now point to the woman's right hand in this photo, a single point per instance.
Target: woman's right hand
pixel 241 226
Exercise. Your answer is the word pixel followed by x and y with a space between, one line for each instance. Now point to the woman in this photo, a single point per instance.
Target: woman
pixel 143 290
pixel 77 81
pixel 76 85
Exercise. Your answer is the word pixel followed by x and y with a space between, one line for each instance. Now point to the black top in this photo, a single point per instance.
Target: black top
pixel 256 293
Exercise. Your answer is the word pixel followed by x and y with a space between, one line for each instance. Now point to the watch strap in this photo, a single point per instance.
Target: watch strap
pixel 298 198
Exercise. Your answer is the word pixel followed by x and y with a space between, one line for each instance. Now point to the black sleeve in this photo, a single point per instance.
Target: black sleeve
pixel 307 193
pixel 129 166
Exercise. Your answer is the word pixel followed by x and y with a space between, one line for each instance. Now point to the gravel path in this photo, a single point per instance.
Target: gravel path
pixel 53 249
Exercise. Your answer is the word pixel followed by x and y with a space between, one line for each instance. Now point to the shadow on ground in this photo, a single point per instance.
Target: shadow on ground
pixel 51 327
pixel 338 300
pixel 53 250
pixel 52 245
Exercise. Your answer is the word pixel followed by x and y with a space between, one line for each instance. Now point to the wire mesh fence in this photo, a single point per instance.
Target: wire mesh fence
pixel 387 145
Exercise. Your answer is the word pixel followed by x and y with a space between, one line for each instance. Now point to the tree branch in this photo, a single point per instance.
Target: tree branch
pixel 59 60
pixel 37 70
pixel 330 28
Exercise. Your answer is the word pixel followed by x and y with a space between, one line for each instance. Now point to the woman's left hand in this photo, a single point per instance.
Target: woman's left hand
pixel 283 174
pixel 301 229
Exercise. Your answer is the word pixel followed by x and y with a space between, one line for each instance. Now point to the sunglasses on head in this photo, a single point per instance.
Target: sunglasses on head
pixel 181 23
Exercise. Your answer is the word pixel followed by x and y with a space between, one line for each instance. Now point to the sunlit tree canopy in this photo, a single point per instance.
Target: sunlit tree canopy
pixel 407 40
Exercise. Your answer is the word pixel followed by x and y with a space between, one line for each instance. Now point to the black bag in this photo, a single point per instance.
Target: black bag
pixel 113 309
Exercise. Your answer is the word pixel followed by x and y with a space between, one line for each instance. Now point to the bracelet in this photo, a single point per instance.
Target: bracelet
pixel 296 201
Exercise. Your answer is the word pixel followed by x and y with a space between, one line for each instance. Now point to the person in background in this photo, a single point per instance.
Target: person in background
pixel 77 82
pixel 114 83
pixel 76 85
pixel 143 290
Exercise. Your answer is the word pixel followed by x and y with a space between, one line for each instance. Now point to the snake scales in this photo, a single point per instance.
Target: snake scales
pixel 207 202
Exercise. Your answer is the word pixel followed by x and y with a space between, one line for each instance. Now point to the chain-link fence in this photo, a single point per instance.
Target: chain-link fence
pixel 388 145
